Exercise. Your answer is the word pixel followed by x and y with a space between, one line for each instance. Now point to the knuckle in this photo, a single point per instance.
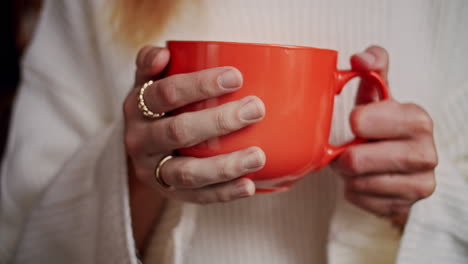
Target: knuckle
pixel 377 49
pixel 140 59
pixel 424 159
pixel 432 159
pixel 390 209
pixel 185 175
pixel 360 184
pixel 166 90
pixel 203 85
pixel 356 120
pixel 403 210
pixel 381 54
pixel 133 144
pixel 177 131
pixel 420 119
pixel 152 53
pixel 397 208
pixel 392 104
pixel 222 122
pixel 350 162
pixel 202 199
pixel 224 173
pixel 222 196
pixel 426 189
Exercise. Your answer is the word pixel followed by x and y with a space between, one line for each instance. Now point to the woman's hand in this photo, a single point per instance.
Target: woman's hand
pixel 147 141
pixel 396 167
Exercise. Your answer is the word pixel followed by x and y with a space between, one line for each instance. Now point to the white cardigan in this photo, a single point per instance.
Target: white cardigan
pixel 64 196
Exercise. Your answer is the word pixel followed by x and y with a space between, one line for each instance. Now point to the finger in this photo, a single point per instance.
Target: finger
pixel 225 192
pixel 411 187
pixel 189 129
pixel 386 207
pixel 400 220
pixel 374 58
pixel 150 62
pixel 402 156
pixel 390 119
pixel 188 172
pixel 181 89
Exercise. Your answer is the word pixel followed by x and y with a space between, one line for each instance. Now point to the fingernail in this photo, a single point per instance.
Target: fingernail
pixel 368 57
pixel 245 189
pixel 255 159
pixel 252 110
pixel 230 79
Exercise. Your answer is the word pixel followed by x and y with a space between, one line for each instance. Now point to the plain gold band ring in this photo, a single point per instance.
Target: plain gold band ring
pixel 157 173
pixel 142 105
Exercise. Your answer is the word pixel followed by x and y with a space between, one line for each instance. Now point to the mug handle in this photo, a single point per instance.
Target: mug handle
pixel 341 78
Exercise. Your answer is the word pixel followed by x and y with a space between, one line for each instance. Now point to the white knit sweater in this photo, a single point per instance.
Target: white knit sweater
pixel 64 196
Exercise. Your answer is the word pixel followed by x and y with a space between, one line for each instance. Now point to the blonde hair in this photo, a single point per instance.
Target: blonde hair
pixel 138 22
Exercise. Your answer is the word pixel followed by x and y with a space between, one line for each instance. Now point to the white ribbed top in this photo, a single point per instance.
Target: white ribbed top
pixel 290 227
pixel 293 227
pixel 64 194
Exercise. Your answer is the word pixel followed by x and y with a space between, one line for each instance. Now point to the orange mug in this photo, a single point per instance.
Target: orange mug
pixel 297 85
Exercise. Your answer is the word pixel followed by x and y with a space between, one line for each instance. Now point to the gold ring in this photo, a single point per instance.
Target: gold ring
pixel 157 173
pixel 142 105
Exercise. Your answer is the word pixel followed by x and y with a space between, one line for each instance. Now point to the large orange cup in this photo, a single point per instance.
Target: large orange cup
pixel 297 85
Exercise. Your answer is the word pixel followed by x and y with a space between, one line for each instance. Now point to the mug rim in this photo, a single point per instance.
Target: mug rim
pixel 273 45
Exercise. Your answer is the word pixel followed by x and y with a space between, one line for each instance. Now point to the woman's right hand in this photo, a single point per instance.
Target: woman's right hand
pixel 147 141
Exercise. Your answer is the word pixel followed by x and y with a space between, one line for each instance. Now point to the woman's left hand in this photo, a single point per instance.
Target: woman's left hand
pixel 395 168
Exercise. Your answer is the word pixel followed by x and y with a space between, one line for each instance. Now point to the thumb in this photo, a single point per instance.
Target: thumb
pixel 376 59
pixel 150 62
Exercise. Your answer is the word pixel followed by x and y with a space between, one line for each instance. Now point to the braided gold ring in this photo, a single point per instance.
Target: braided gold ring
pixel 142 105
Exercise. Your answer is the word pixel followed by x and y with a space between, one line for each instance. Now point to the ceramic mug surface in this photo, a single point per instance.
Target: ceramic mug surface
pixel 297 85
